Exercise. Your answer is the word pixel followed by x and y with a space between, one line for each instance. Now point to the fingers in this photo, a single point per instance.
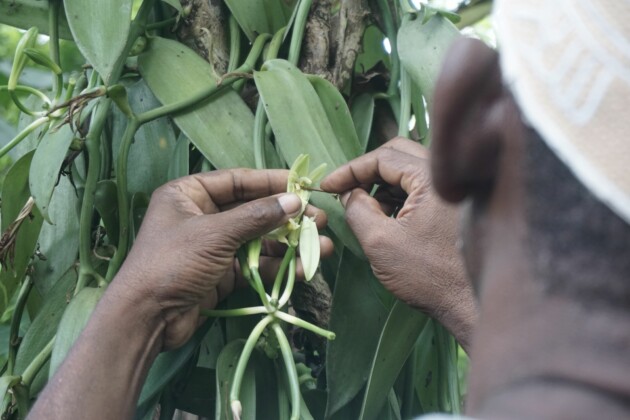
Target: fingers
pixel 366 218
pixel 253 219
pixel 398 163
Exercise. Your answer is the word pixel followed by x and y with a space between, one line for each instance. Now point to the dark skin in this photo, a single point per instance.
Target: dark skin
pixel 534 356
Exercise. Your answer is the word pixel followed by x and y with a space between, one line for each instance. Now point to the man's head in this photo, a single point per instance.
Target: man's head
pixel 548 248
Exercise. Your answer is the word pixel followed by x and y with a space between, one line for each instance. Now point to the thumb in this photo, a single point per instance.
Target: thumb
pixel 366 218
pixel 256 218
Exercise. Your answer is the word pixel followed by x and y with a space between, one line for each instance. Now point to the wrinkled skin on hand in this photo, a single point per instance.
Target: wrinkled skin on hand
pixel 414 253
pixel 184 256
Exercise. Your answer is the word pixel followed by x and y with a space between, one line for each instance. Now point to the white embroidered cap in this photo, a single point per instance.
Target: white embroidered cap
pixel 568 64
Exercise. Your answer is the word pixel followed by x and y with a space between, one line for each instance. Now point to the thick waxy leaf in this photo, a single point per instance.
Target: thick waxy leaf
pixel 196 394
pixel 356 301
pixel 44 326
pixel 222 129
pixel 74 319
pixel 373 50
pixel 260 17
pixel 179 166
pixel 152 147
pixel 100 28
pixel 338 115
pixel 398 337
pixel 362 111
pixel 46 165
pixel 226 365
pixel 58 243
pixel 422 47
pixel 15 195
pixel 301 125
pixel 167 365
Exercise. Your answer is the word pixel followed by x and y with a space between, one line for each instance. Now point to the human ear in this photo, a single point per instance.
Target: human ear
pixel 468 114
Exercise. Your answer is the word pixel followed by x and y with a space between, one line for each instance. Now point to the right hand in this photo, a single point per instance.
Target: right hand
pixel 413 254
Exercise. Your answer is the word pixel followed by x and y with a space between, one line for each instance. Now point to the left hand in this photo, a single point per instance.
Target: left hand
pixel 183 257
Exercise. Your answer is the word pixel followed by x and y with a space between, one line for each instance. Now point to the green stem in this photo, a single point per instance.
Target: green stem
pixel 260 288
pixel 23 134
pixel 245 355
pixel 275 44
pixel 53 43
pixel 16 100
pixel 38 362
pixel 93 146
pixel 235 44
pixel 329 335
pixel 161 24
pixel 289 364
pixel 28 89
pixel 211 90
pixel 390 32
pixel 16 319
pixel 288 289
pixel 298 31
pixel 123 198
pixel 277 284
pixel 405 104
pixel 230 313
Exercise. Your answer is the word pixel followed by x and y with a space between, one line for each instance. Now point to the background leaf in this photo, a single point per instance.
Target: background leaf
pixel 398 337
pixel 221 129
pixel 422 48
pixel 100 28
pixel 260 17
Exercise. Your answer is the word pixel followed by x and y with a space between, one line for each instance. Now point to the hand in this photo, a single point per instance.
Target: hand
pixel 413 254
pixel 183 257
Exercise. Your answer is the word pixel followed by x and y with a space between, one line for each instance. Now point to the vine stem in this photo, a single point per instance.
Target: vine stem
pixel 405 104
pixel 260 288
pixel 288 289
pixel 289 364
pixel 242 362
pixel 38 362
pixel 390 32
pixel 16 319
pixel 304 324
pixel 235 44
pixel 53 33
pixel 32 91
pixel 277 284
pixel 93 146
pixel 123 198
pixel 298 31
pixel 23 134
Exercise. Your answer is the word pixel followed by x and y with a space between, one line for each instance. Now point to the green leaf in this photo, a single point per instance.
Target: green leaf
pixel 362 111
pixel 73 321
pixel 106 204
pixel 15 195
pixel 356 301
pixel 260 17
pixel 179 164
pixel 58 243
pixel 222 128
pixel 226 365
pixel 152 147
pixel 167 365
pixel 44 327
pixel 422 47
pixel 196 392
pixel 427 373
pixel 338 115
pixel 400 333
pixel 47 162
pixel 100 28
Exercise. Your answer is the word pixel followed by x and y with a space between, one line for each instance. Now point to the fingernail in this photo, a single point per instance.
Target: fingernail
pixel 290 203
